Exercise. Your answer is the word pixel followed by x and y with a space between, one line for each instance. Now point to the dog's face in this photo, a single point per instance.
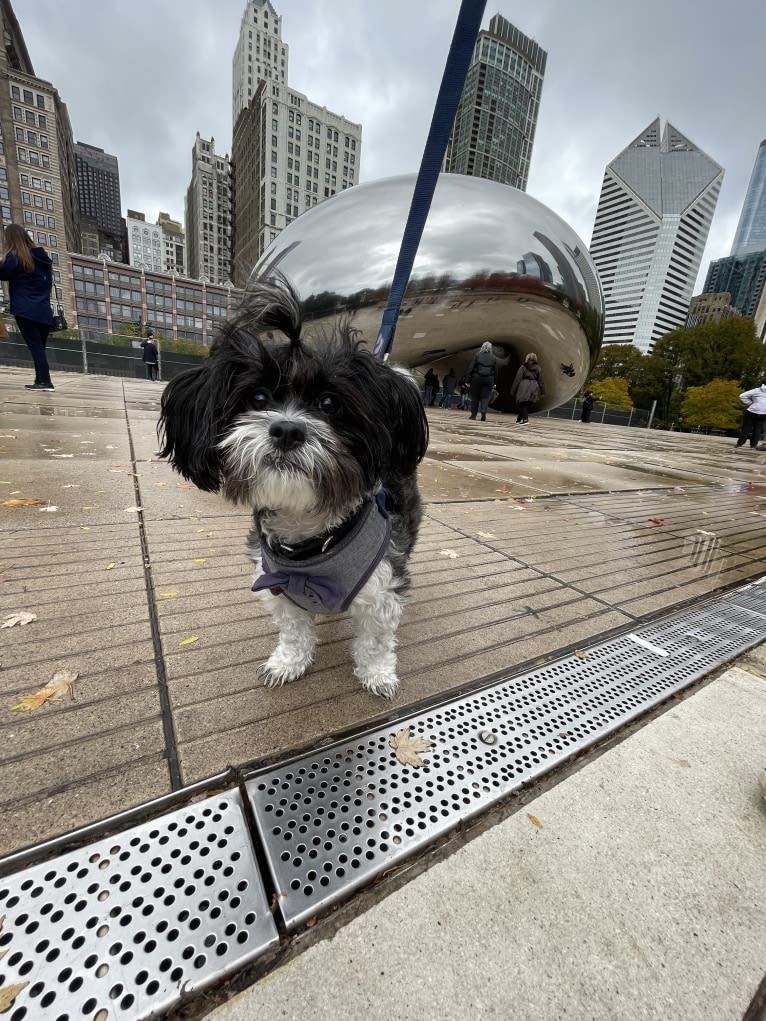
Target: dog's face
pixel 286 425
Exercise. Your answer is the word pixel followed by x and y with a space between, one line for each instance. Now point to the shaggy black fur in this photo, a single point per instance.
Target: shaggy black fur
pixel 375 412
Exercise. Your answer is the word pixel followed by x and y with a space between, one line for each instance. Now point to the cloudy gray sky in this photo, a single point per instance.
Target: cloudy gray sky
pixel 141 77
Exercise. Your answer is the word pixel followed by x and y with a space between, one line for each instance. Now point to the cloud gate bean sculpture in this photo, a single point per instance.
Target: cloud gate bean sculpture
pixel 493 264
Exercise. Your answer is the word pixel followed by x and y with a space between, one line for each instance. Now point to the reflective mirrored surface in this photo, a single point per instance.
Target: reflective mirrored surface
pixel 493 264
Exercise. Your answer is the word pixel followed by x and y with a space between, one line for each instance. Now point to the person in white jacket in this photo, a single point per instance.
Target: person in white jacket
pixel 754 417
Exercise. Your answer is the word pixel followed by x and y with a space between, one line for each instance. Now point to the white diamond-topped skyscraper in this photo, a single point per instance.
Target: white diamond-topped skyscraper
pixel 654 214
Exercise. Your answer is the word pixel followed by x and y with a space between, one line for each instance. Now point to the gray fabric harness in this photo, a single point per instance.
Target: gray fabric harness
pixel 328 581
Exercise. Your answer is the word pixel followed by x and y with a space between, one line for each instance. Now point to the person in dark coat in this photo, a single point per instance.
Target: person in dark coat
pixel 463 389
pixel 450 381
pixel 28 272
pixel 428 386
pixel 588 401
pixel 527 387
pixel 481 376
pixel 435 394
pixel 150 356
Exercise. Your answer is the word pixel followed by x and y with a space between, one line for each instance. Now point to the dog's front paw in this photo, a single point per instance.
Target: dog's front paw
pixel 379 683
pixel 281 668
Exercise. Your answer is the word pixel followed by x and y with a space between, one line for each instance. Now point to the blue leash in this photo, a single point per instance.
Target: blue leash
pixel 453 80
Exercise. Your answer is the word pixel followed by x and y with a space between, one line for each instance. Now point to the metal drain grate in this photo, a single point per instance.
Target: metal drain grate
pixel 334 820
pixel 123 928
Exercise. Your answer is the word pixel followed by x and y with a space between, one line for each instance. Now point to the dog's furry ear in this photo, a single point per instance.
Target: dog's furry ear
pixel 272 303
pixel 406 412
pixel 188 428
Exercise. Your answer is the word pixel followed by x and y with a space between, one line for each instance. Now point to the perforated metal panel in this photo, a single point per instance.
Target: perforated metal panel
pixel 122 928
pixel 334 820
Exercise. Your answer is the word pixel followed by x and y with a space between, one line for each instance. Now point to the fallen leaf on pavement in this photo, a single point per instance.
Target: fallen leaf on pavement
pixel 190 641
pixel 580 654
pixel 658 521
pixel 184 485
pixel 27 501
pixel 111 566
pixel 535 821
pixel 199 560
pixel 21 617
pixel 84 528
pixel 72 485
pixel 486 535
pixel 684 763
pixel 168 595
pixel 407 746
pixel 51 509
pixel 62 681
pixel 449 553
pixel 133 510
pixel 9 993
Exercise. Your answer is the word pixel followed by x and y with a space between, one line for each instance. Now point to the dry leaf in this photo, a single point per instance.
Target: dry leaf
pixel 190 641
pixel 8 994
pixel 658 521
pixel 311 922
pixel 160 484
pixel 25 502
pixel 49 508
pixel 580 654
pixel 21 617
pixel 407 747
pixel 684 763
pixel 134 510
pixel 72 485
pixel 62 681
pixel 184 485
pixel 111 566
pixel 84 528
pixel 168 595
pixel 535 821
pixel 486 535
pixel 199 560
pixel 449 553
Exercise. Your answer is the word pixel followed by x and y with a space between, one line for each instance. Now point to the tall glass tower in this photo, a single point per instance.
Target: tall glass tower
pixel 751 229
pixel 495 123
pixel 654 213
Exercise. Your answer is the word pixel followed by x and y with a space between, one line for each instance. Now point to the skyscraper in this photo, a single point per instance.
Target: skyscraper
pixel 743 276
pixel 654 213
pixel 288 153
pixel 208 217
pixel 98 189
pixel 495 123
pixel 751 229
pixel 38 180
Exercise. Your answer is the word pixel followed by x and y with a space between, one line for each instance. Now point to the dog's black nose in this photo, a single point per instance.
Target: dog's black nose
pixel 287 435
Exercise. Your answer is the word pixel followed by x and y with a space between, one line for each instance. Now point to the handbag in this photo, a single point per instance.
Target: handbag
pixel 59 321
pixel 493 395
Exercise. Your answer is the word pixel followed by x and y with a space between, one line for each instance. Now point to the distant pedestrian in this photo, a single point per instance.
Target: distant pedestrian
pixel 527 387
pixel 463 389
pixel 481 376
pixel 754 417
pixel 28 271
pixel 450 381
pixel 588 401
pixel 428 387
pixel 150 356
pixel 435 394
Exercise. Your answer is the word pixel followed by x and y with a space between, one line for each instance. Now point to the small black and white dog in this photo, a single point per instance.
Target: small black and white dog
pixel 322 441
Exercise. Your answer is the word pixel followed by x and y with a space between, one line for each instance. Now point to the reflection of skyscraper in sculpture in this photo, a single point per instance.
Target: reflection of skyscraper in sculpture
pixel 567 276
pixel 532 265
pixel 495 123
pixel 751 229
pixel 654 213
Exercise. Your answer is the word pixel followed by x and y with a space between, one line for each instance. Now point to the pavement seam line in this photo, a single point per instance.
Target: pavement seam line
pixel 168 726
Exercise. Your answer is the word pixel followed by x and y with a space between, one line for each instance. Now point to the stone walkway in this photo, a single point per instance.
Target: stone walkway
pixel 535 540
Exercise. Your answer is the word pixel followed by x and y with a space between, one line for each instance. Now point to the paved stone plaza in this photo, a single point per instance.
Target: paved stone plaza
pixel 534 541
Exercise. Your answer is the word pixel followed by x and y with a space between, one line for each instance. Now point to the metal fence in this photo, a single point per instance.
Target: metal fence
pixel 89 355
pixel 602 412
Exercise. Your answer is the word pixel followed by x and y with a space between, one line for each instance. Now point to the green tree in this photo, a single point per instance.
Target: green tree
pixel 622 361
pixel 613 392
pixel 716 405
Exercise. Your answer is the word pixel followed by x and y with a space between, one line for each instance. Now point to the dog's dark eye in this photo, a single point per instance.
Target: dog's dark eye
pixel 261 400
pixel 328 404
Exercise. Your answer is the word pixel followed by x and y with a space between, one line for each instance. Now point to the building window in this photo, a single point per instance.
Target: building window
pixel 28 97
pixel 15 93
pixel 41 102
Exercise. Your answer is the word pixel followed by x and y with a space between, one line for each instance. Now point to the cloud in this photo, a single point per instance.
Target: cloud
pixel 141 79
